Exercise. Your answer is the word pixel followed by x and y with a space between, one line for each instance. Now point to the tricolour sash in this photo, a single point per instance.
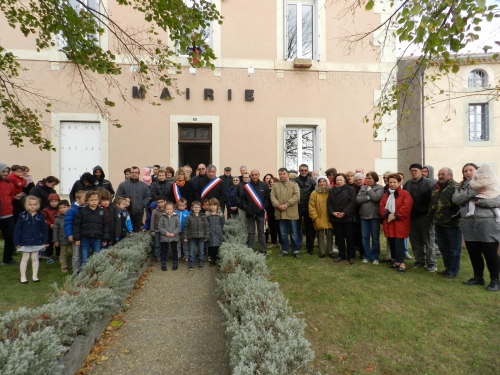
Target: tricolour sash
pixel 256 199
pixel 210 186
pixel 177 192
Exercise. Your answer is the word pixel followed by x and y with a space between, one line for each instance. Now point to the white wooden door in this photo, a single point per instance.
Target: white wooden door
pixel 80 151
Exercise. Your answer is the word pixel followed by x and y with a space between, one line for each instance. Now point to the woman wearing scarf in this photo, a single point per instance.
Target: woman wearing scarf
pixel 481 231
pixel 341 205
pixel 395 209
pixel 181 188
pixel 318 212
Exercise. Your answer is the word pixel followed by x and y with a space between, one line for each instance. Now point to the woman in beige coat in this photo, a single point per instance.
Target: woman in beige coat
pixel 318 211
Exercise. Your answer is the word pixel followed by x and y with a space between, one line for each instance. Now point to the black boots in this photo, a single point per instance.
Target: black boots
pixel 474 281
pixel 175 266
pixel 494 286
pixel 163 266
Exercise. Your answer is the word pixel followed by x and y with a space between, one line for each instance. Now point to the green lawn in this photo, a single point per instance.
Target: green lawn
pixel 14 295
pixel 370 319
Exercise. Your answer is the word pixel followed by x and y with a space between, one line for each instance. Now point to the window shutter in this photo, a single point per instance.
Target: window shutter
pixel 285 29
pixel 316 29
pixel 486 122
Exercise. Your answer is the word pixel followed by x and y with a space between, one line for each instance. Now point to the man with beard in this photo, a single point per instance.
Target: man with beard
pixel 138 192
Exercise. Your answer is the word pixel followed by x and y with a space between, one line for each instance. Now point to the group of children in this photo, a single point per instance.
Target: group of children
pixel 92 223
pixel 176 228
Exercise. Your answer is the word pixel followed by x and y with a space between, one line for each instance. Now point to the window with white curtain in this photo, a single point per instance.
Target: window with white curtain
pixel 478 122
pixel 478 78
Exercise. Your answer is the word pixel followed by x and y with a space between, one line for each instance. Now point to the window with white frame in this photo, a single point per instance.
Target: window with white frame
pixel 300 29
pixel 478 78
pixel 301 147
pixel 79 6
pixel 478 122
pixel 204 35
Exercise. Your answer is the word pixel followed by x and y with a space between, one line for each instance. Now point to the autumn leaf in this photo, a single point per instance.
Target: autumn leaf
pixel 370 368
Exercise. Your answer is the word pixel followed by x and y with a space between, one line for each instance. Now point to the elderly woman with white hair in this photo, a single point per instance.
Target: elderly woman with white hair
pixel 318 212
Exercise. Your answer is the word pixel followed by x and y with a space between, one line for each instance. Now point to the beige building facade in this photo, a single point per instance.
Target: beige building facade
pixel 458 124
pixel 255 109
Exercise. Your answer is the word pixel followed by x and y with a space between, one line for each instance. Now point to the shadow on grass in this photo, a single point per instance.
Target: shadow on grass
pixel 14 295
pixel 370 319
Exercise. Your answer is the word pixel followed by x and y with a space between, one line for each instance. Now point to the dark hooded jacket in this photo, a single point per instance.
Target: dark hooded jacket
pixel 78 185
pixel 42 191
pixel 102 182
pixel 420 192
pixel 431 177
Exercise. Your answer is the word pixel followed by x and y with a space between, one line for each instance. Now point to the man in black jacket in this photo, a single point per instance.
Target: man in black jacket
pixel 161 186
pixel 254 200
pixel 227 179
pixel 421 229
pixel 306 185
pixel 211 186
pixel 238 196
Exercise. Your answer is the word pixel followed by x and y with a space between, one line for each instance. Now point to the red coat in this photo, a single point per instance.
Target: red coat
pixel 50 215
pixel 399 228
pixel 6 197
pixel 18 182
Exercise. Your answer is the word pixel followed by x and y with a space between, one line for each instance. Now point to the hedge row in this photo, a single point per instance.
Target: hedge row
pixel 33 340
pixel 265 337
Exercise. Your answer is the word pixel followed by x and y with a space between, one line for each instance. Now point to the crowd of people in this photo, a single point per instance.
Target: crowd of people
pixel 185 215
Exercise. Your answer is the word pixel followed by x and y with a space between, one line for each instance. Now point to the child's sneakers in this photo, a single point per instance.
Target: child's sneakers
pixel 200 266
pixel 191 267
pixel 50 260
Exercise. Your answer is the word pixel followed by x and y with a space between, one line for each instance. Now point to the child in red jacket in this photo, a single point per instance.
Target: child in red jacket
pixel 50 213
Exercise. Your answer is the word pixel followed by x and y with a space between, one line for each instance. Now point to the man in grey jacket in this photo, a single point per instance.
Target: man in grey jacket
pixel 421 230
pixel 138 192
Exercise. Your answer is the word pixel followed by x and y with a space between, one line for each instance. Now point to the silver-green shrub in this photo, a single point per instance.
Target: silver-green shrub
pixel 265 337
pixel 34 353
pixel 32 340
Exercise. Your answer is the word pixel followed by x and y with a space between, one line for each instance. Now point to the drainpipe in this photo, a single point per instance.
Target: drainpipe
pixel 422 134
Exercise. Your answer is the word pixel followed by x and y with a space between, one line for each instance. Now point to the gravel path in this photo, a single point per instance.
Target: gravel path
pixel 173 326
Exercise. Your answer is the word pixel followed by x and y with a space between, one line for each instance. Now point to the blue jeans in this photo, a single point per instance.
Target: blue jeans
pixel 89 243
pixel 449 241
pixel 291 225
pixel 371 228
pixel 193 242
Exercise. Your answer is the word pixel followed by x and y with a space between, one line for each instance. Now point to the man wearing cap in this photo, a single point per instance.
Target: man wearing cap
pixel 7 215
pixel 227 180
pixel 421 229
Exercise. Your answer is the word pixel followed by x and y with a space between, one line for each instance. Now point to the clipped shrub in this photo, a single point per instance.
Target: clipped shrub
pixel 264 335
pixel 35 353
pixel 235 256
pixel 32 340
pixel 234 232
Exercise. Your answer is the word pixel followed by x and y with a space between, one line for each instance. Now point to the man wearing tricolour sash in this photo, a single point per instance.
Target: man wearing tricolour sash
pixel 211 186
pixel 255 199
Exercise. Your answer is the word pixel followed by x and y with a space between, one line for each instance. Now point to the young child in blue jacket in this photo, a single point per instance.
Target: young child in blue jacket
pixel 31 235
pixel 183 213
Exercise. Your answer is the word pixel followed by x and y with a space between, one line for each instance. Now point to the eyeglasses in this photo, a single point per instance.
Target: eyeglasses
pixel 303 170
